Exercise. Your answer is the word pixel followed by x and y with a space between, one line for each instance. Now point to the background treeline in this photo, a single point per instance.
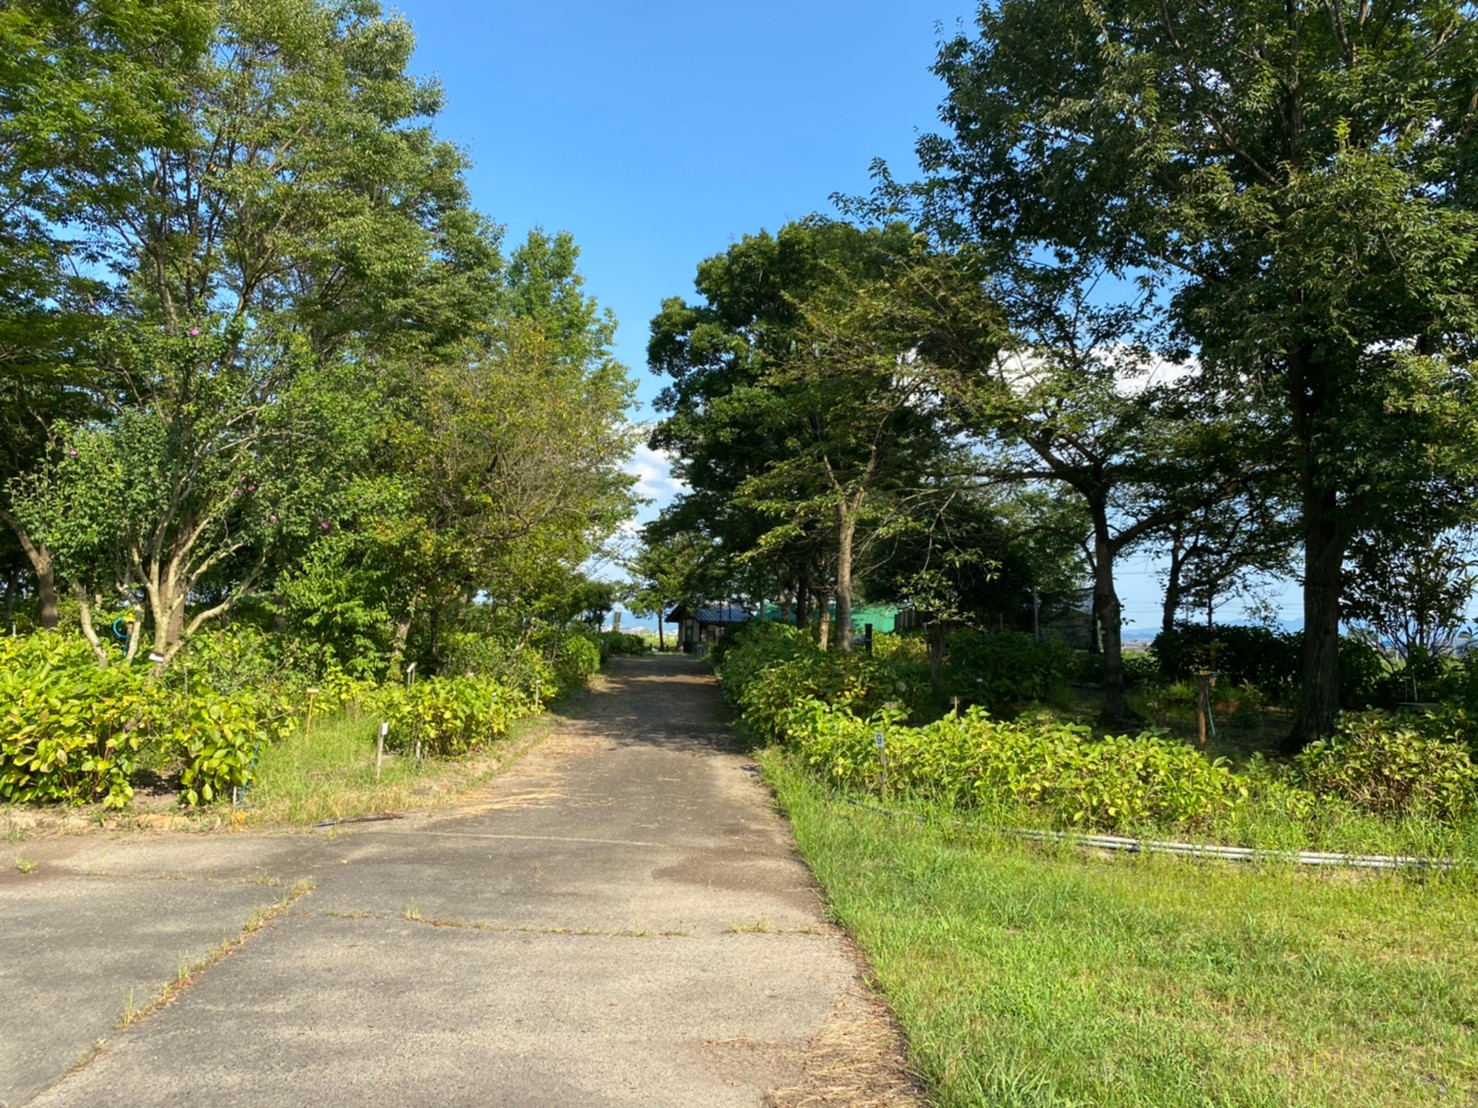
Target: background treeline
pixel 1199 283
pixel 263 368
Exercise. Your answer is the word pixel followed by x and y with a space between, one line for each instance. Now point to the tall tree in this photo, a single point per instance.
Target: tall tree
pixel 256 251
pixel 80 90
pixel 1299 174
pixel 800 391
pixel 1077 401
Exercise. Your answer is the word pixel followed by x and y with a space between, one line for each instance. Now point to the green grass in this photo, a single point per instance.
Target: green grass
pixel 1032 977
pixel 331 775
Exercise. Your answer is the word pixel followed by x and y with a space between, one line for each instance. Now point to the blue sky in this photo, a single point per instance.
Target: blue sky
pixel 659 133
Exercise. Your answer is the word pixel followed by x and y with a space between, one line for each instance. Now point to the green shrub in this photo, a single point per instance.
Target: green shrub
pixel 1115 783
pixel 1363 674
pixel 621 642
pixel 774 667
pixel 232 658
pixel 1240 655
pixel 576 660
pixel 1387 766
pixel 70 732
pixel 217 737
pixel 501 659
pixel 1007 667
pixel 1140 667
pixel 452 716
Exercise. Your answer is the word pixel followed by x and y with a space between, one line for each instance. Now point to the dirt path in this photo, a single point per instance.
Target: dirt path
pixel 617 920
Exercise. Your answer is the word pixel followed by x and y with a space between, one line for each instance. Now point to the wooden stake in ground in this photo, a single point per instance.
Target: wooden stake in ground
pixel 1203 706
pixel 380 747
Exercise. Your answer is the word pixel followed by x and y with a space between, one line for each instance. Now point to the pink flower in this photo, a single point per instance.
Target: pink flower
pixel 324 524
pixel 251 488
pixel 272 519
pixel 71 453
pixel 194 331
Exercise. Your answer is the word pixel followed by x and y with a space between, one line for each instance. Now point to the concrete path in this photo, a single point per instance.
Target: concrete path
pixel 618 919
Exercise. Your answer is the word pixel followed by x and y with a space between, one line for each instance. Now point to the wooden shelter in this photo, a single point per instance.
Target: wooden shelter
pixel 700 625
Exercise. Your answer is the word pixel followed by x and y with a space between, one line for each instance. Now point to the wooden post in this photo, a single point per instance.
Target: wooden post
pixel 380 747
pixel 308 723
pixel 1203 706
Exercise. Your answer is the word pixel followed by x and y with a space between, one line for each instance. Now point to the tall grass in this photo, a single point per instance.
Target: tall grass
pixel 1032 977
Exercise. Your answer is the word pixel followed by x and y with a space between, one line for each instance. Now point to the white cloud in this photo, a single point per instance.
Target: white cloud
pixel 653 471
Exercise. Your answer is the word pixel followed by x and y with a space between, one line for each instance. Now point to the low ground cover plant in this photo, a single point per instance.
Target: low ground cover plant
pixel 72 732
pixel 1381 778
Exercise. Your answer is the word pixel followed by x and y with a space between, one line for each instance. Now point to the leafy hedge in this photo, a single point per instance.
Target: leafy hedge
pixel 1392 766
pixel 451 716
pixel 768 668
pixel 974 760
pixel 621 642
pixel 1008 667
pixel 831 710
pixel 1270 660
pixel 72 733
pixel 69 732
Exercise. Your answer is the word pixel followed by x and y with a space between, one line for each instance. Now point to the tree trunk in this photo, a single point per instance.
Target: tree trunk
pixel 397 643
pixel 803 603
pixel 39 555
pixel 661 639
pixel 176 630
pixel 823 601
pixel 1309 390
pixel 1173 587
pixel 47 614
pixel 846 532
pixel 1323 559
pixel 1110 619
pixel 89 632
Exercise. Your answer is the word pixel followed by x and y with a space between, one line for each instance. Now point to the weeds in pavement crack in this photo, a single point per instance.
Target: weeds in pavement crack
pixel 187 971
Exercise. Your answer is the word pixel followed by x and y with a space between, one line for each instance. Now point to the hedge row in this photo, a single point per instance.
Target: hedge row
pixel 833 710
pixel 72 733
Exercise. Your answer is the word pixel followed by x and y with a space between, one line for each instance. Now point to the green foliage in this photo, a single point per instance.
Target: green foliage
pixel 1256 655
pixel 1297 179
pixel 70 732
pixel 576 660
pixel 1008 667
pixel 1362 670
pixel 771 668
pixel 1139 667
pixel 1386 765
pixel 452 716
pixel 832 710
pixel 218 736
pixel 233 658
pixel 1115 783
pixel 621 642
pixel 497 657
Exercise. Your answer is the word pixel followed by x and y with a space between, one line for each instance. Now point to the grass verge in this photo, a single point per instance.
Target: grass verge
pixel 1032 977
pixel 330 775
